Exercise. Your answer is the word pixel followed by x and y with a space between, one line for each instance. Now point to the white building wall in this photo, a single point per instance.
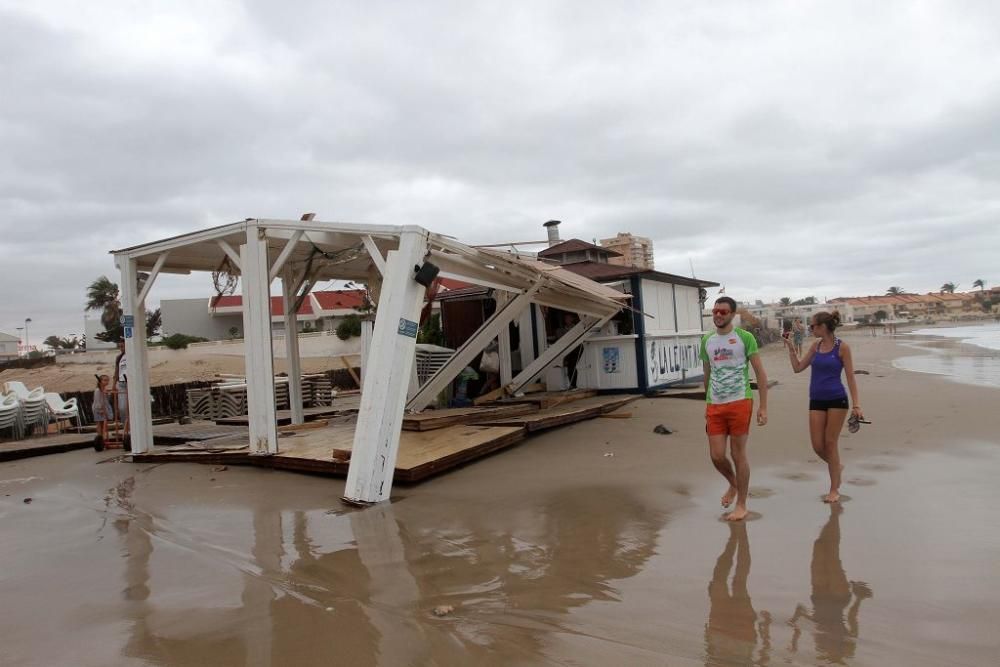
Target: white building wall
pixel 192 317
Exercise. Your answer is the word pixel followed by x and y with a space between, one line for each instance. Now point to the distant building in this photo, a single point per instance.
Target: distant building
pixel 632 250
pixel 92 327
pixel 575 250
pixel 9 347
pixel 911 306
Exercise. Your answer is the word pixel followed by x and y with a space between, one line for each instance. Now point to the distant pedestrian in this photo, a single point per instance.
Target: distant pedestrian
pixel 727 354
pixel 101 409
pixel 829 357
pixel 798 333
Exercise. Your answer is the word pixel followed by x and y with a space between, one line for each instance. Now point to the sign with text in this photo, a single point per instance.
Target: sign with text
pixel 407 327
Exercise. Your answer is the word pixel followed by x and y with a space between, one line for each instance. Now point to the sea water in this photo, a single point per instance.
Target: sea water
pixel 968 354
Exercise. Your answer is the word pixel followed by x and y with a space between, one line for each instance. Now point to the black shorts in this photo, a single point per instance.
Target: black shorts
pixel 834 404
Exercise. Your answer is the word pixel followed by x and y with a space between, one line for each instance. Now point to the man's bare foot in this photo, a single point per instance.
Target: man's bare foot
pixel 831 497
pixel 729 497
pixel 737 514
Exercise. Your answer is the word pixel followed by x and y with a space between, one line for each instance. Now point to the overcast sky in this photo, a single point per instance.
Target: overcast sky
pixel 784 148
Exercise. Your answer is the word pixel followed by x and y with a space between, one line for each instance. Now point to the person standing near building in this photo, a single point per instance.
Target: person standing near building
pixel 121 387
pixel 727 355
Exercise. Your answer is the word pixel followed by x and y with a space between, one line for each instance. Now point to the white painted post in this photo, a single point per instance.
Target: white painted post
pixel 140 414
pixel 257 341
pixel 292 359
pixel 366 345
pixel 506 373
pixel 380 417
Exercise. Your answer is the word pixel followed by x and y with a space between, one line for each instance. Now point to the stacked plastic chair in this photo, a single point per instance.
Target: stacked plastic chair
pixel 10 416
pixel 33 409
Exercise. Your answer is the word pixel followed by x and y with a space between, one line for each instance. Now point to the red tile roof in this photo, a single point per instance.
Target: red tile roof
pixel 235 301
pixel 340 299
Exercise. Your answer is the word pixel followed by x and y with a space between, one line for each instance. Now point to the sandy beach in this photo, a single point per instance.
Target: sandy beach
pixel 596 544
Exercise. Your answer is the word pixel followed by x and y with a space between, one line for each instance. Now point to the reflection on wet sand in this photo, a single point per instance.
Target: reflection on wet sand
pixel 732 630
pixel 372 604
pixel 834 633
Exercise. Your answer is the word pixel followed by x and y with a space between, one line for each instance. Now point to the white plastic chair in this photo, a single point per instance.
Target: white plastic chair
pixel 17 388
pixel 10 415
pixel 32 404
pixel 60 410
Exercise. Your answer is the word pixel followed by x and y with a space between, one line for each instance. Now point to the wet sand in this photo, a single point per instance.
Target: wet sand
pixel 549 553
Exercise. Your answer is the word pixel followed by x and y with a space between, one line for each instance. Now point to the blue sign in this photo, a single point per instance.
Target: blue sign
pixel 407 327
pixel 127 320
pixel 128 332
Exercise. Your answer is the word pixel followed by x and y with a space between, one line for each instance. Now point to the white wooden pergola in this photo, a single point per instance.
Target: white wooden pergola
pixel 386 258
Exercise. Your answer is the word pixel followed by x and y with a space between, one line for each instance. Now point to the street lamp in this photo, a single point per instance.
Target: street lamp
pixel 27 341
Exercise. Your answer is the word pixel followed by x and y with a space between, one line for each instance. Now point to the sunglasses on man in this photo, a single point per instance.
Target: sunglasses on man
pixel 721 311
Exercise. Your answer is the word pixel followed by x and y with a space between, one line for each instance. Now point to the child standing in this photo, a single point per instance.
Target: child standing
pixel 102 411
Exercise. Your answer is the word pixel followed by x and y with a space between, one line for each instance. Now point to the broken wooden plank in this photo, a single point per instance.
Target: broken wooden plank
pixel 435 419
pixel 566 413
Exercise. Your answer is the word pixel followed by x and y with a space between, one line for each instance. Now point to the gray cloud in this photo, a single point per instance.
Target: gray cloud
pixel 782 149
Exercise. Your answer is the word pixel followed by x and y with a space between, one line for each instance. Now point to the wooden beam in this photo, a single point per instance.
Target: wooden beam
pixel 152 278
pixel 569 340
pixel 387 375
pixel 292 347
pixel 503 349
pixel 257 339
pixel 470 348
pixel 374 253
pixel 137 374
pixel 350 369
pixel 286 252
pixel 232 254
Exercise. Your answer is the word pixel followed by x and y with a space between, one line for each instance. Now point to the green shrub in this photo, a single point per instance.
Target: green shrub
pixel 349 328
pixel 179 341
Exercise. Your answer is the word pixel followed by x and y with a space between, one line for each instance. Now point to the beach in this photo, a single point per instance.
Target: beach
pixel 595 544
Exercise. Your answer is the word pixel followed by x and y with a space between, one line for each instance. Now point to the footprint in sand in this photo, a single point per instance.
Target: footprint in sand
pixel 761 493
pixel 881 467
pixel 797 476
pixel 862 481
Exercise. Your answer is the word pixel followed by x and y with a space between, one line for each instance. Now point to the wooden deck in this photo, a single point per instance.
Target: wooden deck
pixel 327 450
pixel 47 444
pixel 178 434
pixel 565 413
pixel 431 442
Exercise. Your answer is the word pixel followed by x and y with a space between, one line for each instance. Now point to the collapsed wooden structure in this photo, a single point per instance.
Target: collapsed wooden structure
pixel 396 263
pixel 430 443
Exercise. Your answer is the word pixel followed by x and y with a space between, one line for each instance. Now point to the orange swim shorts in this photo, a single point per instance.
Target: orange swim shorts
pixel 729 418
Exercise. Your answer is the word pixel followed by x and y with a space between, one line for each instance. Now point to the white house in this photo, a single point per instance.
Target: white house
pixel 9 347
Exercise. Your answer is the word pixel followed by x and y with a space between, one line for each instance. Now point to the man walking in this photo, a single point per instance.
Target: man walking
pixel 727 355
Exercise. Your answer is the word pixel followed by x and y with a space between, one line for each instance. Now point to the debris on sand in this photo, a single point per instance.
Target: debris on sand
pixel 443 610
pixel 862 373
pixel 662 430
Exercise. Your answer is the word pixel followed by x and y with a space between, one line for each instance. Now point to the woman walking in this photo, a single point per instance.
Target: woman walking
pixel 828 403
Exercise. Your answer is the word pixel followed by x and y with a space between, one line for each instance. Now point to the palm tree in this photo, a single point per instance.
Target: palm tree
pixel 102 295
pixel 785 301
pixel 981 284
pixel 949 288
pixel 894 291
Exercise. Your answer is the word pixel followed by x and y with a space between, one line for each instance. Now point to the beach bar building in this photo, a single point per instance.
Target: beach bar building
pixel 398 264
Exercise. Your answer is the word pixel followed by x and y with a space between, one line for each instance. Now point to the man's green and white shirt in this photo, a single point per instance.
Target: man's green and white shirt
pixel 729 358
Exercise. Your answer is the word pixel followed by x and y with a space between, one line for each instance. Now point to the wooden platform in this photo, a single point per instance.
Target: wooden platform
pixel 341 406
pixel 435 419
pixel 48 444
pixel 421 454
pixel 549 399
pixel 566 413
pixel 178 434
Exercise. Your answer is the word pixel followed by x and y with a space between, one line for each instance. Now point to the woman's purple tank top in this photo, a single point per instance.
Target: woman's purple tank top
pixel 825 384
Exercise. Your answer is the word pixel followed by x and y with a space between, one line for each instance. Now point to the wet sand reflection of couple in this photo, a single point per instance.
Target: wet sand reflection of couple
pixel 735 631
